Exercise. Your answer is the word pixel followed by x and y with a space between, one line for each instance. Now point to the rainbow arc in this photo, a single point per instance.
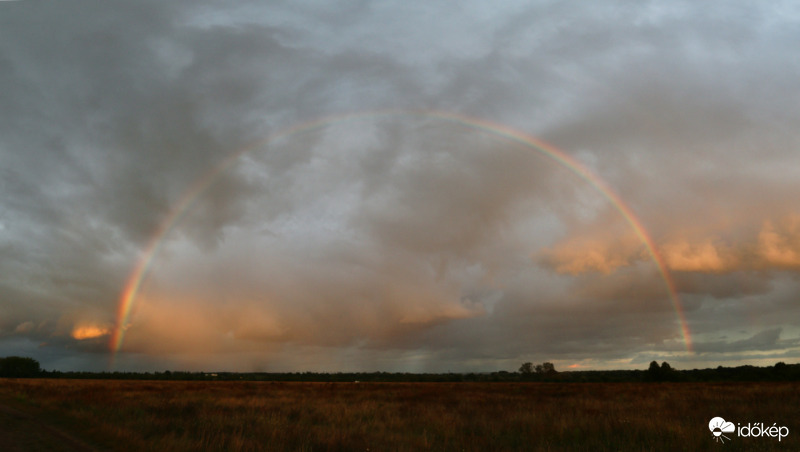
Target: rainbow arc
pixel 134 281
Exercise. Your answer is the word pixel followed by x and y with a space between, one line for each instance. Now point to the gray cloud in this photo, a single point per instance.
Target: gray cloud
pixel 764 340
pixel 397 241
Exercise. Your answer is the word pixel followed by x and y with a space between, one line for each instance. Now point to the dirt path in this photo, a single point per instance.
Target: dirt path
pixel 23 431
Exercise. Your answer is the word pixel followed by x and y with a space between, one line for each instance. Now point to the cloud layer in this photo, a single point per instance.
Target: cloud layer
pixel 398 242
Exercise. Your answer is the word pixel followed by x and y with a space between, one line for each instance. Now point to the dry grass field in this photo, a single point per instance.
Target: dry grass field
pixel 258 416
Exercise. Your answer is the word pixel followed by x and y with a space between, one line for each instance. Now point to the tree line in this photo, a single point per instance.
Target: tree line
pixel 23 367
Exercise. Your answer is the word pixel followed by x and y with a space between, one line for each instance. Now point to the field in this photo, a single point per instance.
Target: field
pixel 60 414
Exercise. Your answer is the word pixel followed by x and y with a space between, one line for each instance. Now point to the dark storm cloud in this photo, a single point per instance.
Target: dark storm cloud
pixel 764 340
pixel 408 241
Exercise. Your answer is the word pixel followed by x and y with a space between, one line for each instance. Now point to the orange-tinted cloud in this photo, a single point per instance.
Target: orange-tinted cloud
pixel 83 332
pixel 193 323
pixel 779 244
pixel 704 256
pixel 168 325
pixel 24 327
pixel 776 245
pixel 578 256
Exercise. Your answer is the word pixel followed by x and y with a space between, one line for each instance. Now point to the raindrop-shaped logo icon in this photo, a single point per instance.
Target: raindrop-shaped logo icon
pixel 718 426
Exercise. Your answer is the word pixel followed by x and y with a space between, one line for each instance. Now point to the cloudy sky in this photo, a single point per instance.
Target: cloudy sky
pixel 313 185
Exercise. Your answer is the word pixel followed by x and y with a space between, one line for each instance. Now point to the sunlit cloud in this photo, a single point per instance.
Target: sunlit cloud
pixel 779 244
pixel 775 246
pixel 24 327
pixel 593 255
pixel 707 256
pixel 84 332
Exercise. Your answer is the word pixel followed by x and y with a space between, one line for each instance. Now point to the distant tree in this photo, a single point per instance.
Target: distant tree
pixel 531 371
pixel 547 369
pixel 660 373
pixel 667 373
pixel 19 367
pixel 653 372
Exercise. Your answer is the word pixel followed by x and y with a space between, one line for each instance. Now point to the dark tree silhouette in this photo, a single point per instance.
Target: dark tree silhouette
pixel 529 371
pixel 19 367
pixel 526 369
pixel 546 369
pixel 660 373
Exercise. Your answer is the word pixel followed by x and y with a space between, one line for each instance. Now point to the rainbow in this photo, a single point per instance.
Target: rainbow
pixel 137 275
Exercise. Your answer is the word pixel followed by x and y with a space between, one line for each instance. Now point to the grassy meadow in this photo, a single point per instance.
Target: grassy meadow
pixel 258 416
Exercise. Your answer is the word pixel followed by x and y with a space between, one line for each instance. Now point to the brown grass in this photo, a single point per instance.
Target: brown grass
pixel 255 416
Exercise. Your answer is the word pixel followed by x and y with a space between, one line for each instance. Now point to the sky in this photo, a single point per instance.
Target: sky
pixel 399 185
